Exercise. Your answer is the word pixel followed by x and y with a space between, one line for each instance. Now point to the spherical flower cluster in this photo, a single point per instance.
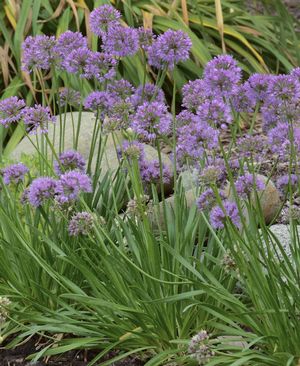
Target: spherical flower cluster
pixel 199 348
pixel 76 61
pixel 41 190
pixel 279 139
pixel 242 100
pixel 246 184
pixel 257 87
pixel 221 74
pixel 151 120
pixel 207 199
pixel 286 181
pixel 146 38
pixel 251 146
pixel 100 66
pixel 37 119
pixel 70 185
pixel 11 110
pixel 66 43
pixel 169 48
pixel 147 93
pixel 121 41
pixel 219 215
pixel 194 93
pixel 15 173
pixel 38 52
pixel 99 101
pixel 150 172
pixel 215 112
pixel 120 89
pixel 194 139
pixel 69 96
pixel 132 150
pixel 102 18
pixel 283 89
pixel 69 160
pixel 81 224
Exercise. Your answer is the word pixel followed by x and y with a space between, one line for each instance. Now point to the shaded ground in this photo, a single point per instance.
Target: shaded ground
pixel 17 357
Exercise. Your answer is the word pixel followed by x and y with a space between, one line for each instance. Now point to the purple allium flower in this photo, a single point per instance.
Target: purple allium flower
pixel 150 172
pixel 221 74
pixel 102 18
pixel 76 61
pixel 69 160
pixel 68 42
pixel 99 100
pixel 100 66
pixel 119 115
pixel 81 224
pixel 152 119
pixel 246 184
pixel 241 99
pixel 283 89
pixel 211 174
pixel 207 199
pixel 194 93
pixel 169 48
pixel 69 97
pixel 14 173
pixel 38 52
pixel 40 190
pixel 257 87
pixel 120 89
pixel 196 339
pixel 11 110
pixel 37 119
pixel 251 146
pixel 279 139
pixel 215 112
pixel 186 118
pixel 70 185
pixel 194 139
pixel 285 181
pixel 121 41
pixel 218 215
pixel 199 348
pixel 147 93
pixel 146 38
pixel 132 150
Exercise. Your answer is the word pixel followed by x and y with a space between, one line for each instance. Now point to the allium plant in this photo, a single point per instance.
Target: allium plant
pixel 147 283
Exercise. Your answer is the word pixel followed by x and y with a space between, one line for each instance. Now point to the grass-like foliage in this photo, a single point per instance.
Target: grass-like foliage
pixel 100 258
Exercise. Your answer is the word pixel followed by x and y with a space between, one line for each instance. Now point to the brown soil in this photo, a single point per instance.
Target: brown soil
pixel 18 355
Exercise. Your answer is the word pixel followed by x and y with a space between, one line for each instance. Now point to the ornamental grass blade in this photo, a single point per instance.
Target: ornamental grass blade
pixel 220 22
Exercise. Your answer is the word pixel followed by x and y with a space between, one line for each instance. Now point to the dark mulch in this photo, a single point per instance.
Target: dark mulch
pixel 18 355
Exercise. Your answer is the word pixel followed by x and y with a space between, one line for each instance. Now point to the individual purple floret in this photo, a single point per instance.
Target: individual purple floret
pixel 285 181
pixel 151 120
pixel 68 42
pixel 69 160
pixel 147 93
pixel 41 190
pixel 150 172
pixel 169 48
pixel 221 74
pixel 100 66
pixel 71 184
pixel 11 110
pixel 81 224
pixel 121 41
pixel 146 38
pixel 215 112
pixel 194 139
pixel 246 184
pixel 69 97
pixel 102 18
pixel 194 93
pixel 219 215
pixel 37 119
pixel 14 174
pixel 38 52
pixel 76 61
pixel 257 87
pixel 120 89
